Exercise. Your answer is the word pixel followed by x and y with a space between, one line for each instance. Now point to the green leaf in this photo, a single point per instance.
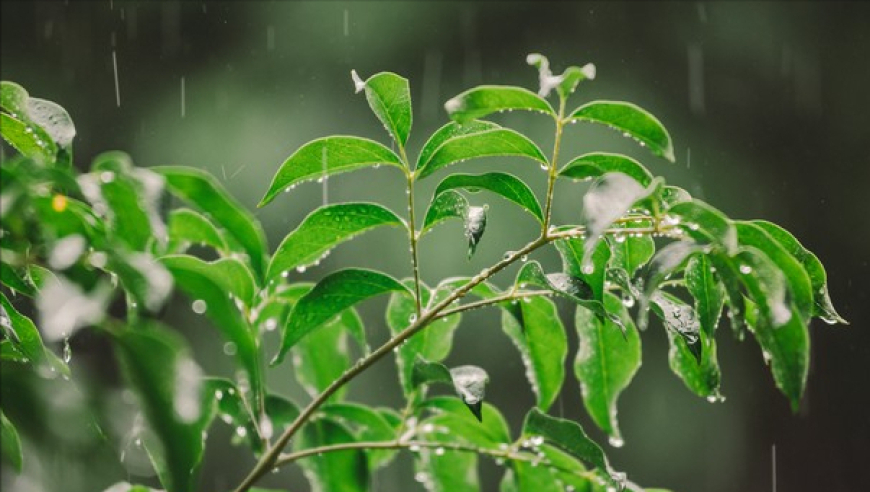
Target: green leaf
pixel 564 84
pixel 230 274
pixel 13 280
pixel 606 361
pixel 818 278
pixel 204 191
pixel 702 376
pixel 52 118
pixel 597 164
pixel 322 230
pixel 672 195
pixel 782 335
pixel 507 185
pixel 680 318
pixel 207 284
pixel 168 381
pixel 447 132
pixel 450 471
pixel 187 227
pixel 332 295
pixel 340 471
pixel 390 99
pixel 707 290
pixel 489 432
pixel 571 250
pixel 566 435
pixel 633 121
pixel 800 288
pixel 543 345
pixel 487 143
pixel 447 204
pixel 705 224
pixel 667 260
pixel 629 253
pixel 427 372
pixel 322 356
pixel 475 226
pixel 11 444
pixel 366 424
pixel 31 141
pixel 432 343
pixel 127 487
pixel 325 157
pixel 145 279
pixel 21 331
pixel 608 199
pixel 487 99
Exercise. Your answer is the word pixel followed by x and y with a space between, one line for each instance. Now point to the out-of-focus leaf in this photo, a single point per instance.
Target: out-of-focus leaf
pixel 145 279
pixel 207 285
pixel 15 281
pixel 11 444
pixel 325 157
pixel 33 143
pixel 230 274
pixel 487 99
pixel 705 224
pixel 597 164
pixel 366 424
pixel 325 228
pixel 632 121
pixel 127 487
pixel 609 198
pixel 340 471
pixel 37 128
pixel 322 356
pixel 564 84
pixel 447 204
pixel 702 376
pixel 203 190
pixel 65 307
pixel 187 227
pixel 332 295
pixel 566 435
pixel 486 143
pixel 433 343
pixel 823 307
pixel 158 366
pixel 707 290
pixel 390 99
pixel 606 362
pixel 21 331
pixel 427 372
pixel 543 345
pixel 508 186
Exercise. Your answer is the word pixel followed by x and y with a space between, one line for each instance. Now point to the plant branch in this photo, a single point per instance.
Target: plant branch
pixel 551 170
pixel 270 456
pixel 493 300
pixel 508 453
pixel 412 231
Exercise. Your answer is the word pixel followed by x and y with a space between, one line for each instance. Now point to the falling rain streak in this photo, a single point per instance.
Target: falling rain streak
pixel 773 466
pixel 696 79
pixel 117 87
pixel 183 102
pixel 270 38
pixel 346 23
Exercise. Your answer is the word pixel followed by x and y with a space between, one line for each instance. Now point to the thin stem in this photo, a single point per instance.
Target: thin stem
pixel 412 231
pixel 493 300
pixel 551 170
pixel 509 453
pixel 270 456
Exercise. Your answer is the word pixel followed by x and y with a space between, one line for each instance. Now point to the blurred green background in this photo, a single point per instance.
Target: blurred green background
pixel 767 104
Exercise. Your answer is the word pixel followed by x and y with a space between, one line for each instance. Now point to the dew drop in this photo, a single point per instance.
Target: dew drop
pixel 230 348
pixel 745 269
pixel 439 451
pixel 67 351
pixel 301 269
pixel 271 324
pixel 241 431
pixel 588 268
pixel 616 442
pixel 199 306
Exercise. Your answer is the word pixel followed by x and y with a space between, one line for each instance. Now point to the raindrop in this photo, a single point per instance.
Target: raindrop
pixel 266 428
pixel 67 351
pixel 588 268
pixel 301 269
pixel 536 441
pixel 616 442
pixel 421 477
pixel 271 324
pixel 412 318
pixel 544 166
pixel 628 301
pixel 230 348
pixel 524 258
pixel 619 238
pixel 270 38
pixel 241 431
pixel 439 451
pixel 285 273
pixel 414 448
pixel 346 23
pixel 745 269
pixel 199 306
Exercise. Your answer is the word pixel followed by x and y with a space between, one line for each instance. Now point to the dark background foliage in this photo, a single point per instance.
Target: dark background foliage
pixel 767 103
